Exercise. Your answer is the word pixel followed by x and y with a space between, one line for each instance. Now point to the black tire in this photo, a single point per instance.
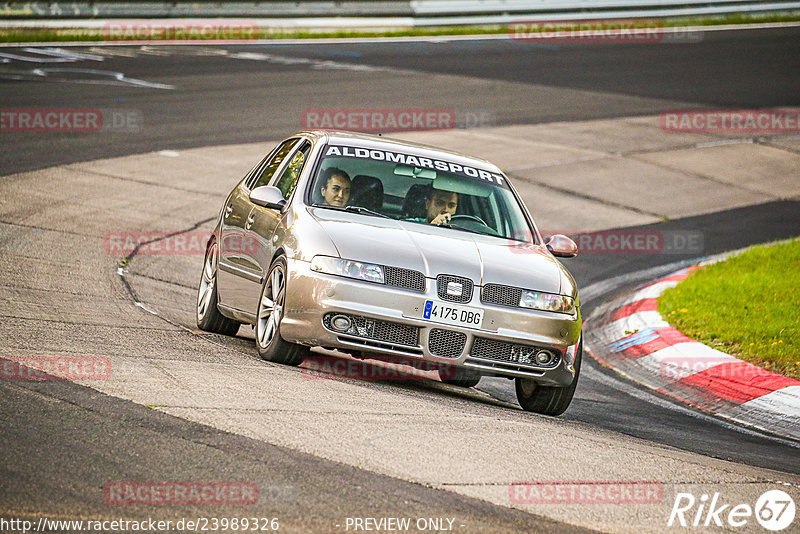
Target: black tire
pixel 208 316
pixel 548 400
pixel 459 377
pixel 271 346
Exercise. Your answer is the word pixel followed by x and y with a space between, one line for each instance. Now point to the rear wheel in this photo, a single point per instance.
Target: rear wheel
pixel 548 400
pixel 271 346
pixel 208 316
pixel 459 377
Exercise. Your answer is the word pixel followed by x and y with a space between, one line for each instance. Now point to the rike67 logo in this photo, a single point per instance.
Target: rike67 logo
pixel 774 510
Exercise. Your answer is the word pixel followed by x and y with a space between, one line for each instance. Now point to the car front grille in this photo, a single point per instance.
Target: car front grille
pixel 489 349
pixel 464 294
pixel 404 278
pixel 385 331
pixel 446 343
pixel 502 295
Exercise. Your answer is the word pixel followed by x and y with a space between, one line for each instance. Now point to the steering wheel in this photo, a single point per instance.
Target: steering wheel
pixel 468 218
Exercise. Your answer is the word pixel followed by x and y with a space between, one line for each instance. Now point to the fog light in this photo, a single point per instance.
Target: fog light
pixel 544 357
pixel 340 323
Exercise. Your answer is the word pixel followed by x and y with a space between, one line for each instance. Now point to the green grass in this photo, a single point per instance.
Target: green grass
pixel 747 306
pixel 76 35
pixel 735 18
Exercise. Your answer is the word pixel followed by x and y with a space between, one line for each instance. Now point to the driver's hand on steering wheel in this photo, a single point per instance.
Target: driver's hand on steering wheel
pixel 442 218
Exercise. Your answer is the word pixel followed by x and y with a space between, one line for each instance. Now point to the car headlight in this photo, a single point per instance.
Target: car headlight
pixel 369 272
pixel 547 302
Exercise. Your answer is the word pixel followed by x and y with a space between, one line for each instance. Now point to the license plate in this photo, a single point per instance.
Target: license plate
pixel 445 313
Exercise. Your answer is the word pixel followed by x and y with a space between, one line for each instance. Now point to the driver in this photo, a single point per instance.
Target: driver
pixel 336 191
pixel 439 207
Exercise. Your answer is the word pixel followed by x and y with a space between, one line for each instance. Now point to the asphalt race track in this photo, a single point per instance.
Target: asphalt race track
pixel 197 407
pixel 230 94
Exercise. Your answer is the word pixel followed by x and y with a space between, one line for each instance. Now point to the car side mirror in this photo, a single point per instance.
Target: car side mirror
pixel 268 196
pixel 561 246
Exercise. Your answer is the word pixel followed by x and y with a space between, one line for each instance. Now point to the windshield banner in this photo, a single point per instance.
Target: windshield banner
pixel 414 161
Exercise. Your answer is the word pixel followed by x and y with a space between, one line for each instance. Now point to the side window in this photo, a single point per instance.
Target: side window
pixel 288 179
pixel 249 177
pixel 269 169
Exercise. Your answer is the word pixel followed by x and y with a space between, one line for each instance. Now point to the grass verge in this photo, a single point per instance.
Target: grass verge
pixel 747 306
pixel 43 35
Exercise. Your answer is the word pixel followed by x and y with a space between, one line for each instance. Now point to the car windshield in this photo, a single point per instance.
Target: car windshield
pixel 418 190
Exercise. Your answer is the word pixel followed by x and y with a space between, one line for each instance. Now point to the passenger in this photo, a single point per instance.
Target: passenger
pixel 336 191
pixel 440 206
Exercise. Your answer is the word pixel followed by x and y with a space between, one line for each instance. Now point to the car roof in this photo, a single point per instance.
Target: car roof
pixel 398 145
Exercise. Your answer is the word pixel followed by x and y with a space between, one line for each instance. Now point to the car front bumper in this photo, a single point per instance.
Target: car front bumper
pixel 387 318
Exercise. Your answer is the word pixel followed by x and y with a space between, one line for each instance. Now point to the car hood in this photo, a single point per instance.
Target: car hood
pixel 434 251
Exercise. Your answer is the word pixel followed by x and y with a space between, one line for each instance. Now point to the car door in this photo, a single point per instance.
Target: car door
pixel 262 222
pixel 238 273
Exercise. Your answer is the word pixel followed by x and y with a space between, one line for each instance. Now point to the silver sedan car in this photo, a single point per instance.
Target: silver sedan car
pixel 399 252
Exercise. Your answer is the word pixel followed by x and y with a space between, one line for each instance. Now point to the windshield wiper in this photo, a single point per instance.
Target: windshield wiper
pixel 353 209
pixel 463 229
pixel 365 211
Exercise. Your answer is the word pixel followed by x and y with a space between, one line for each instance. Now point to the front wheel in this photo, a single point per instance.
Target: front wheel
pixel 548 400
pixel 208 316
pixel 271 346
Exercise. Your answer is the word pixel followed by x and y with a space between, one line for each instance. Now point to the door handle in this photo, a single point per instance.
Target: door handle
pixel 251 218
pixel 228 210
